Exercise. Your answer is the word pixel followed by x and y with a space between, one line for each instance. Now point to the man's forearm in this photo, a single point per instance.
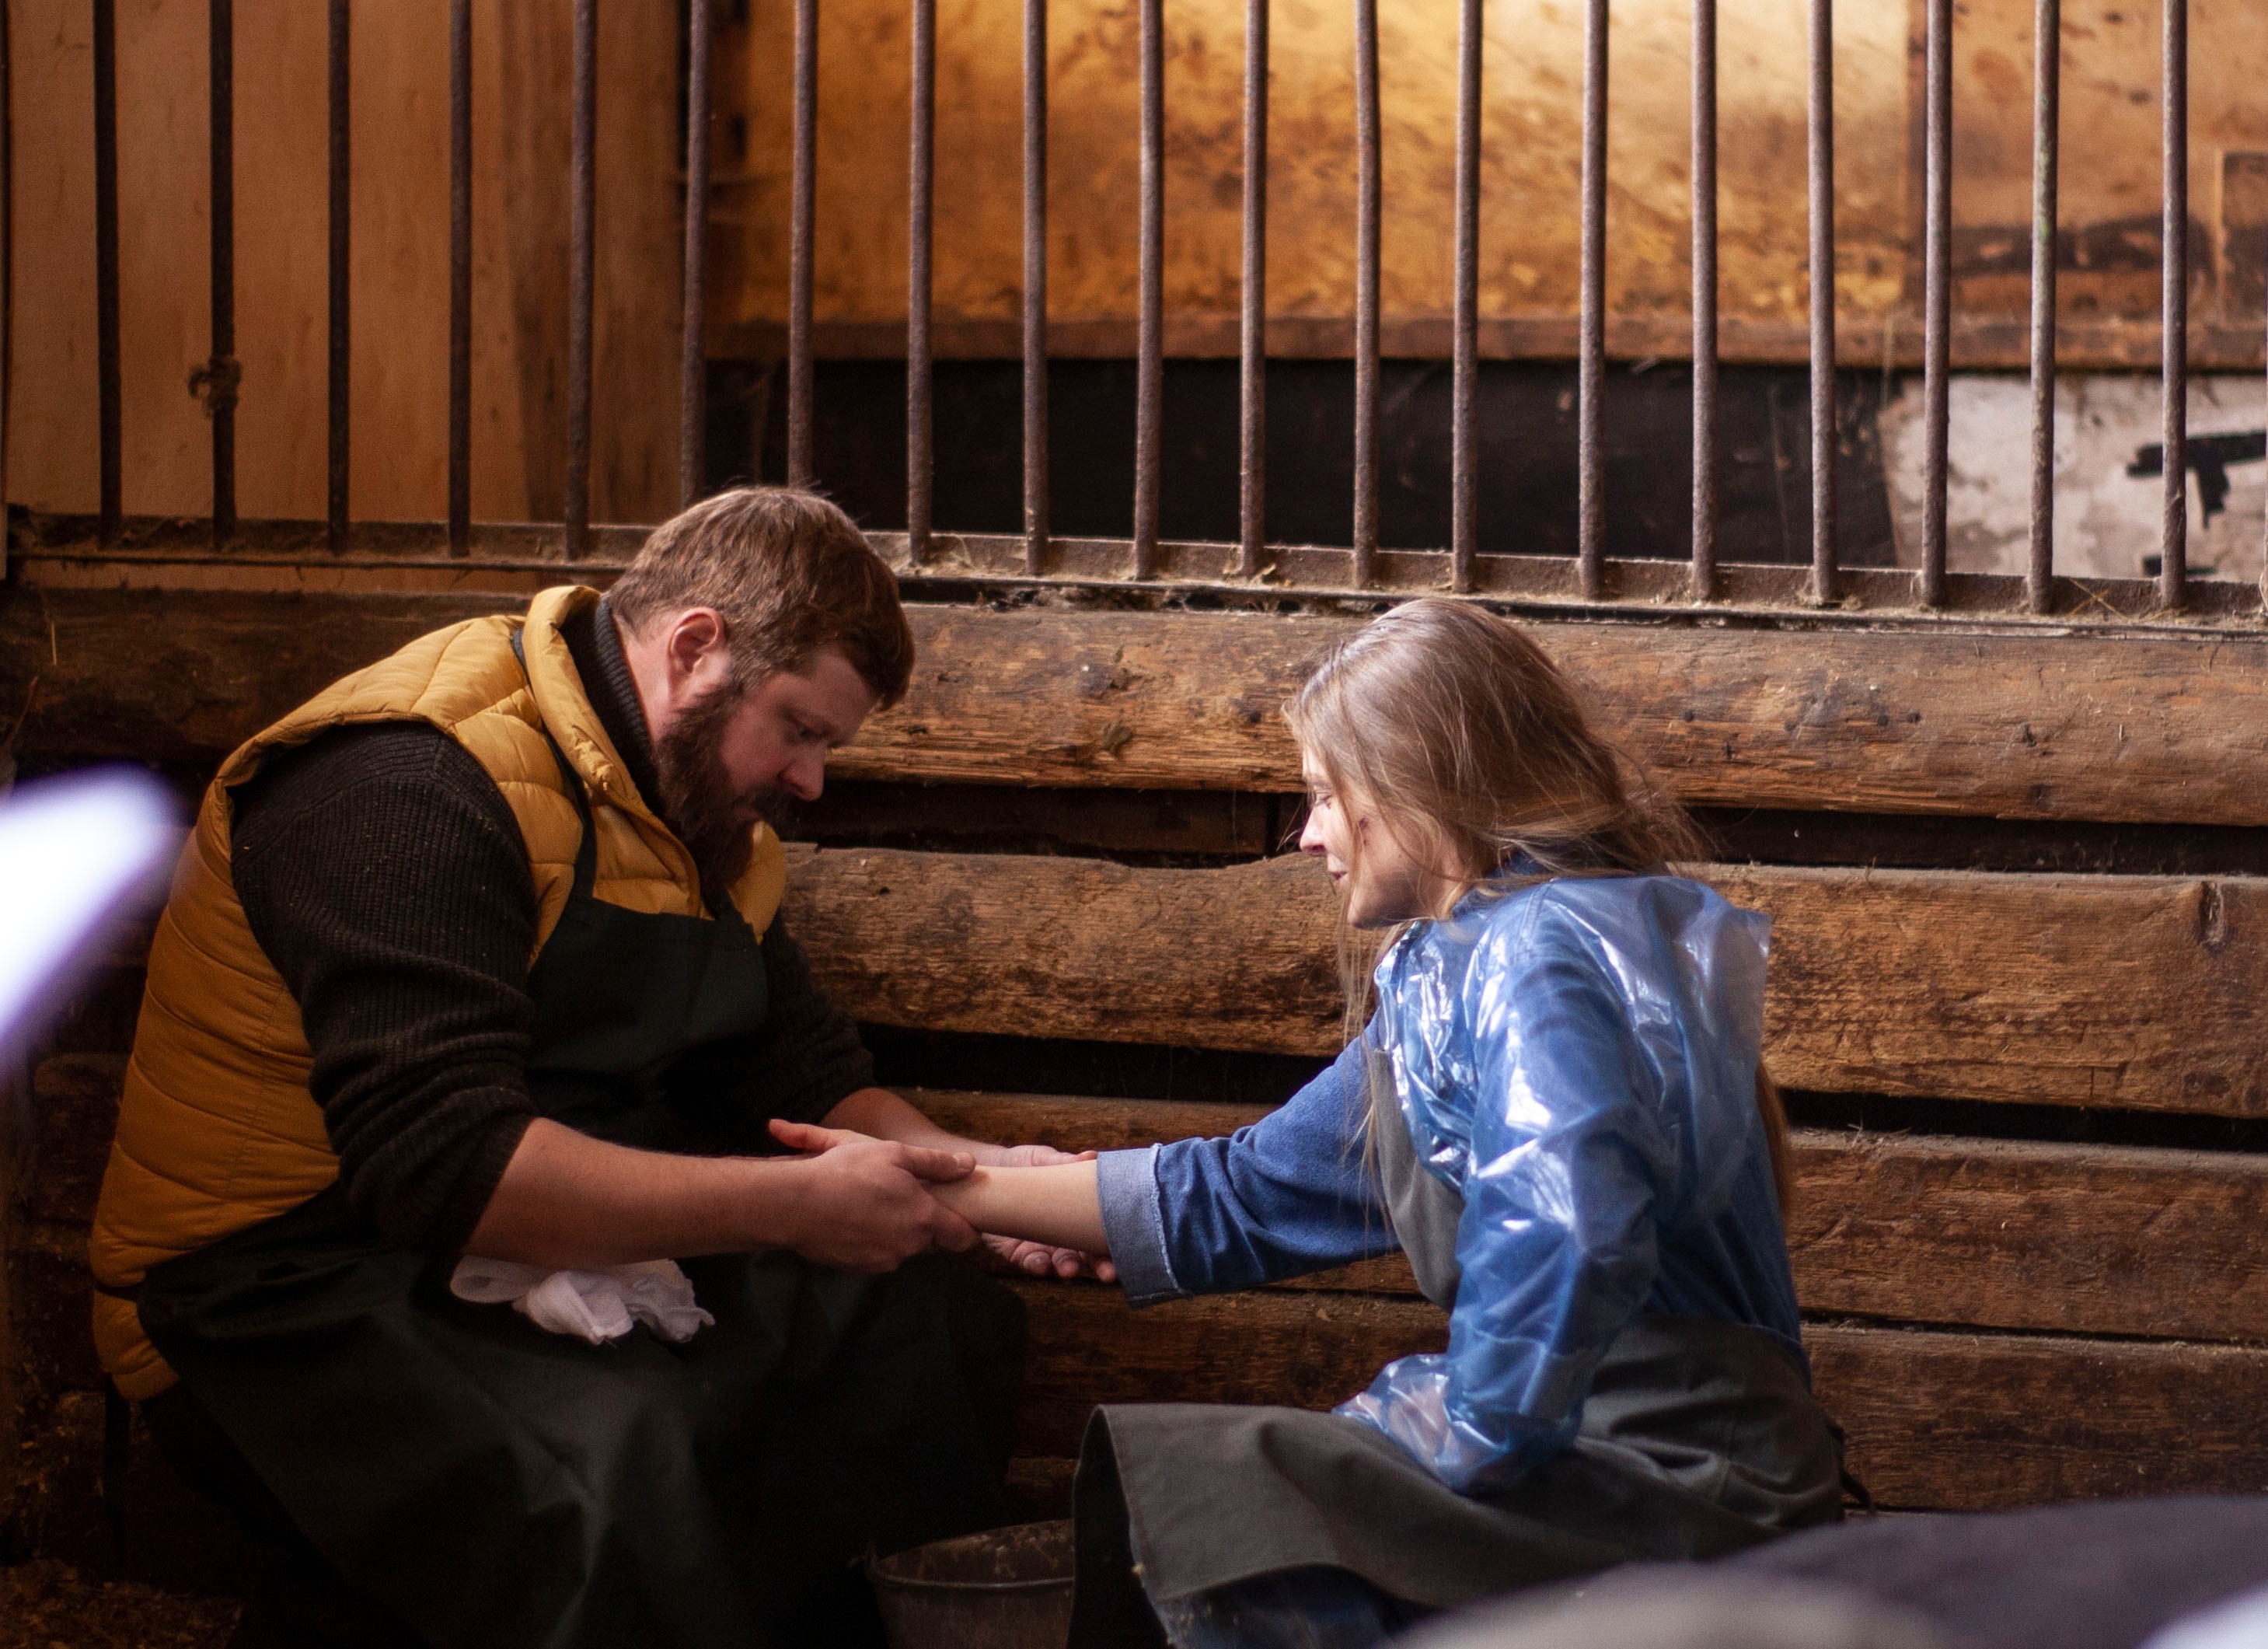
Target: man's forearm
pixel 880 1114
pixel 567 1200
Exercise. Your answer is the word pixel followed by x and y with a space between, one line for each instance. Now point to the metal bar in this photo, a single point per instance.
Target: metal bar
pixel 460 277
pixel 2172 548
pixel 2047 107
pixel 920 459
pixel 583 210
pixel 1035 287
pixel 1252 330
pixel 1937 299
pixel 1365 291
pixel 338 332
pixel 105 268
pixel 7 261
pixel 800 205
pixel 1150 367
pixel 220 370
pixel 1465 456
pixel 1704 300
pixel 693 380
pixel 1591 495
pixel 1822 147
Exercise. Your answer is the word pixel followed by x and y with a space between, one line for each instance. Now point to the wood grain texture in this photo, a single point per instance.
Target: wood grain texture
pixel 2137 728
pixel 2135 992
pixel 1989 1233
pixel 1937 1421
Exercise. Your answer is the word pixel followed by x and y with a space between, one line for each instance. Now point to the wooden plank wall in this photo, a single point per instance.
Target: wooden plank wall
pixel 1530 162
pixel 400 295
pixel 2035 1274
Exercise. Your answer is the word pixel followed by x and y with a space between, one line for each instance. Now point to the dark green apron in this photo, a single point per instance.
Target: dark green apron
pixel 495 1485
pixel 1698 1437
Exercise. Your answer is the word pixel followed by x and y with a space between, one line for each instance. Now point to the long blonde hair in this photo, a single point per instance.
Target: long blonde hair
pixel 1450 725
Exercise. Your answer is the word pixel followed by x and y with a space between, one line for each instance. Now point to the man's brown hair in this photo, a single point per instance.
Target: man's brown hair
pixel 789 573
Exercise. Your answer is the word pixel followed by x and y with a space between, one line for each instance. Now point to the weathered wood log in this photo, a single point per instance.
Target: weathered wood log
pixel 1937 1421
pixel 2127 991
pixel 2070 1239
pixel 2139 728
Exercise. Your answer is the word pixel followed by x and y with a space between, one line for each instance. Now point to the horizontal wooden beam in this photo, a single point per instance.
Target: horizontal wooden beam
pixel 2133 991
pixel 1994 1234
pixel 1936 1421
pixel 2160 728
pixel 1977 342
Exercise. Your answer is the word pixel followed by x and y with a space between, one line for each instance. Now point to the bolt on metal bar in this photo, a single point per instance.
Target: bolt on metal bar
pixel 337 274
pixel 1252 332
pixel 1822 153
pixel 109 443
pixel 220 374
pixel 1937 298
pixel 582 211
pixel 1365 291
pixel 1465 456
pixel 1035 287
pixel 803 194
pixel 693 380
pixel 2172 548
pixel 1590 438
pixel 1149 367
pixel 1704 300
pixel 2047 104
pixel 460 277
pixel 920 459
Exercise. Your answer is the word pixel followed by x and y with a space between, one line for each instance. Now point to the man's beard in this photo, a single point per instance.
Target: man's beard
pixel 697 798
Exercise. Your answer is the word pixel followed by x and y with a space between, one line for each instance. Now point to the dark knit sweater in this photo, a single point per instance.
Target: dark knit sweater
pixel 383 874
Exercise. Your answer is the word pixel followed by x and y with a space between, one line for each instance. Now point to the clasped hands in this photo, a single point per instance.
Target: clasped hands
pixel 914 1197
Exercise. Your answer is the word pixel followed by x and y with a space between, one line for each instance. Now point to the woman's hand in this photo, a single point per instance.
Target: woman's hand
pixel 1038 1259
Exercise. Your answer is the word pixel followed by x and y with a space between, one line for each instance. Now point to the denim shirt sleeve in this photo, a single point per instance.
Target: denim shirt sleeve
pixel 1557 1243
pixel 1288 1194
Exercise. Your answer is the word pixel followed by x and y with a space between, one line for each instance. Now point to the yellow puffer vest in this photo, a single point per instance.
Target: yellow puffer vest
pixel 217 1129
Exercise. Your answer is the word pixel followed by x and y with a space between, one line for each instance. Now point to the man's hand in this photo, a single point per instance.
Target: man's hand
pixel 865 1207
pixel 1038 1258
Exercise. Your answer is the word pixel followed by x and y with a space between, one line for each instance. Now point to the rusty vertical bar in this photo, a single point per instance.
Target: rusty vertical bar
pixel 1150 367
pixel 337 333
pixel 2173 548
pixel 1590 437
pixel 802 196
pixel 1035 287
pixel 2047 104
pixel 460 277
pixel 1464 391
pixel 1703 580
pixel 105 270
pixel 220 370
pixel 1252 332
pixel 1821 113
pixel 583 208
pixel 693 378
pixel 921 165
pixel 1365 291
pixel 1936 296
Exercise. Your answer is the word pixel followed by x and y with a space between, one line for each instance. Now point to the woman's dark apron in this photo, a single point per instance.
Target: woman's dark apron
pixel 1699 1437
pixel 495 1485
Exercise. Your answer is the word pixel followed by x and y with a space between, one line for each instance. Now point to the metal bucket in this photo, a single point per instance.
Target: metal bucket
pixel 1006 1588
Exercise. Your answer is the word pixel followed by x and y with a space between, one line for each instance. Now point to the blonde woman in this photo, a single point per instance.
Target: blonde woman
pixel 1557 1110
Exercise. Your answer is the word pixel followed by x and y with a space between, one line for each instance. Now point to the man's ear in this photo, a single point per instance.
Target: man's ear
pixel 694 635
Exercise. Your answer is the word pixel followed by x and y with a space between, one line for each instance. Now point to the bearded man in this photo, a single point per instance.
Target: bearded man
pixel 471 988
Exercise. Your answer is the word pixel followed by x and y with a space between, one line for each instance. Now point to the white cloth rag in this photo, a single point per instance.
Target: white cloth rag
pixel 598 1305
